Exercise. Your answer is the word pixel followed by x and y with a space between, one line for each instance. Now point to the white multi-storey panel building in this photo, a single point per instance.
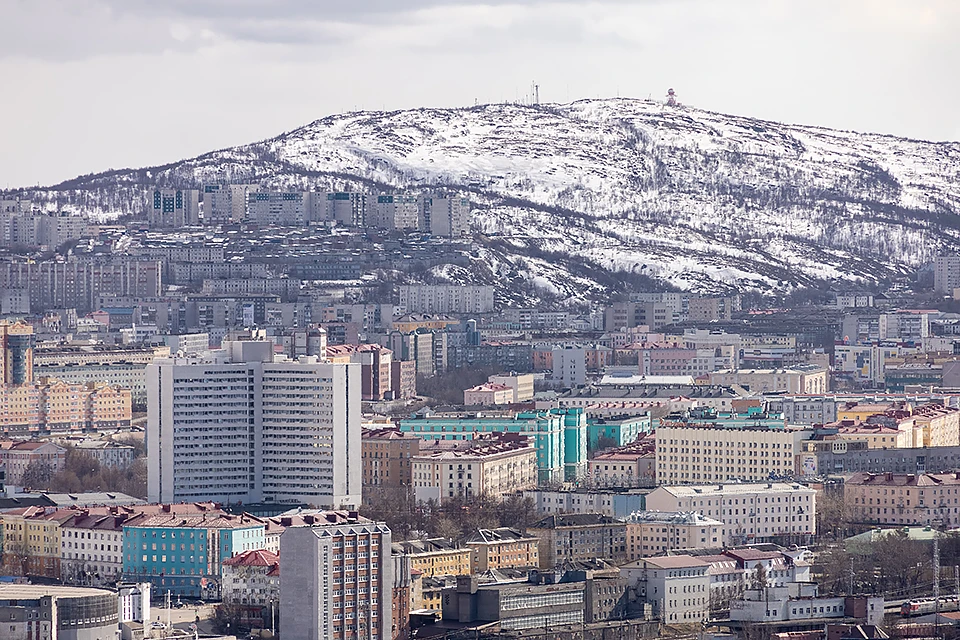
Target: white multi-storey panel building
pixel 448 217
pixel 236 426
pixel 946 274
pixel 749 512
pixel 173 207
pixel 446 298
pixel 394 212
pixel 344 207
pixel 337 578
pixel 225 203
pixel 278 207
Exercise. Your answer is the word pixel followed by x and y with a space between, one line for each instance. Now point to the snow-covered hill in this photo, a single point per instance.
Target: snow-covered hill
pixel 564 193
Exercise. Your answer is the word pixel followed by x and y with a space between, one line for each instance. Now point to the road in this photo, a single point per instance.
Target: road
pixel 181 619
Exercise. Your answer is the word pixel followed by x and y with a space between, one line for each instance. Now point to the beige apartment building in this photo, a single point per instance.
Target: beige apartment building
pixel 651 533
pixel 522 385
pixel 436 557
pixel 387 456
pixel 749 512
pixel 503 548
pixel 624 467
pixel 807 379
pixel 931 499
pixel 876 436
pixel 930 425
pixel 484 466
pixel 487 394
pixel 700 455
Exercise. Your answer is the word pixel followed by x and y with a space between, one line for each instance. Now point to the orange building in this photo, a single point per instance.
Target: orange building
pixel 54 405
pixel 543 359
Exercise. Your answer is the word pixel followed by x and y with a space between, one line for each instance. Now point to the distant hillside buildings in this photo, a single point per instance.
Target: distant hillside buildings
pixel 445 216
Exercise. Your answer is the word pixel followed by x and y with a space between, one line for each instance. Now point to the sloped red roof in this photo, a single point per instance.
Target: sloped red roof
pixel 256 558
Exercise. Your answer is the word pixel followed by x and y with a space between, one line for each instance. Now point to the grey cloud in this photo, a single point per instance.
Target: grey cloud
pixel 71 30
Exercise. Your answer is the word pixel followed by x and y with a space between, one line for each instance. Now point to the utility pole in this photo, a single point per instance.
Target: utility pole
pixel 850 586
pixel 936 582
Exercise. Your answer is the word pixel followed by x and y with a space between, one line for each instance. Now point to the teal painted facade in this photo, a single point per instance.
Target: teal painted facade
pixel 574 443
pixel 184 560
pixel 559 436
pixel 621 430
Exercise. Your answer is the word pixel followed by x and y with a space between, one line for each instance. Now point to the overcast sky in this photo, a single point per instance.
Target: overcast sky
pixel 87 85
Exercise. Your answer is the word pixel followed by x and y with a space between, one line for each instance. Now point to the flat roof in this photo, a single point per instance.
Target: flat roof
pixel 36 591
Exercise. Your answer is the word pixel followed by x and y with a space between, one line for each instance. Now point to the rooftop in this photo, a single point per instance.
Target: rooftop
pixel 502 534
pixel 672 517
pixel 689 491
pixel 575 520
pixel 904 479
pixel 674 562
pixel 37 591
pixel 255 558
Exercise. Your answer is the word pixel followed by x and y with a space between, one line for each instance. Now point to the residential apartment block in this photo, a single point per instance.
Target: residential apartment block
pixel 749 512
pixel 699 454
pixel 117 366
pixel 566 538
pixel 559 435
pixel 503 548
pixel 802 379
pixel 436 557
pixel 173 208
pixel 651 533
pixel 50 405
pixel 446 298
pixel 184 553
pixel 77 283
pixel 236 425
pixel 930 499
pixel 677 587
pixel 337 578
pixel 252 580
pixel 387 456
pixel 484 466
pixel 17 456
pixel 946 274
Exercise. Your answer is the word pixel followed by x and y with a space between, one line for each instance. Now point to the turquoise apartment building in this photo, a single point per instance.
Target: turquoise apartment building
pixel 183 554
pixel 559 436
pixel 621 430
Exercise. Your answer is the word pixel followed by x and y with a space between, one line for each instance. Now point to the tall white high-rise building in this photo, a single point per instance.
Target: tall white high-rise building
pixel 238 425
pixel 946 274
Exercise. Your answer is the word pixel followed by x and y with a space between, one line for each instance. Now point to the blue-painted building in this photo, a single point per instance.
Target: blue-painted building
pixel 183 554
pixel 621 430
pixel 559 435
